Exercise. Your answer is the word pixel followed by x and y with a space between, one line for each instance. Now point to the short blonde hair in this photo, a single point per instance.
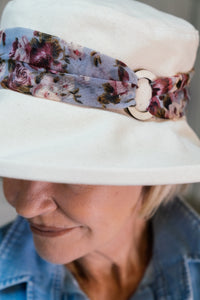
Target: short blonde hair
pixel 154 196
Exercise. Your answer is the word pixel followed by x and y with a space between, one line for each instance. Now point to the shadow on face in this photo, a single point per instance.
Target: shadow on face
pixel 71 220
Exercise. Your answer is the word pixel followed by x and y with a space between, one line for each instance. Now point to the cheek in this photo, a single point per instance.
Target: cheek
pixel 106 224
pixel 100 215
pixel 110 215
pixel 10 189
pixel 95 231
pixel 102 212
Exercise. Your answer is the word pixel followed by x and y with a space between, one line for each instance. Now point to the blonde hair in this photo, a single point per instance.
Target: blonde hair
pixel 154 196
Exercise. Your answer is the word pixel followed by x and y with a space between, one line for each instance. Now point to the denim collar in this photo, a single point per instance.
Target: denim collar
pixel 175 243
pixel 176 230
pixel 19 263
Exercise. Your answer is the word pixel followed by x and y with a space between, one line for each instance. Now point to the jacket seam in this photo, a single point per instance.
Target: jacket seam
pixel 57 282
pixel 16 280
pixel 188 282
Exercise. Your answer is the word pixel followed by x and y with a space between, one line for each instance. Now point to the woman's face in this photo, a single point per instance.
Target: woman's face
pixel 69 221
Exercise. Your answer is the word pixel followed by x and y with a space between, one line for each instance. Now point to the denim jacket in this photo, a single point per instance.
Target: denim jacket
pixel 172 274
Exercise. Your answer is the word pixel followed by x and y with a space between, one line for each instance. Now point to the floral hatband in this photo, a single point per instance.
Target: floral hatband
pixel 45 66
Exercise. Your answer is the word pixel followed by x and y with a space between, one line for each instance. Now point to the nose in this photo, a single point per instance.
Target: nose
pixel 34 198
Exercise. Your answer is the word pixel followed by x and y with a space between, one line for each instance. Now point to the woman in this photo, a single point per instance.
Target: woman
pixel 95 231
pixel 86 176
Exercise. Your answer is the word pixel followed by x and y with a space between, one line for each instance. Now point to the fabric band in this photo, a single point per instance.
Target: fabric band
pixel 45 66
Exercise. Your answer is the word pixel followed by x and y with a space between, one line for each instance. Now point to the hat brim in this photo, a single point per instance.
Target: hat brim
pixel 58 142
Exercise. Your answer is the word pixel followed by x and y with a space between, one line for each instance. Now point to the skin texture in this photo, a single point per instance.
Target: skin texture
pixel 110 246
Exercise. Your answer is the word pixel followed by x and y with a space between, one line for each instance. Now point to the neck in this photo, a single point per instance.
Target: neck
pixel 119 265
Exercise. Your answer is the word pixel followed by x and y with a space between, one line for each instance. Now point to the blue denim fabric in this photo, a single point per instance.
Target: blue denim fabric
pixel 173 272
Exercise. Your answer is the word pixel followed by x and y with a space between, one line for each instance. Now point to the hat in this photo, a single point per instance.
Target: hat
pixel 64 141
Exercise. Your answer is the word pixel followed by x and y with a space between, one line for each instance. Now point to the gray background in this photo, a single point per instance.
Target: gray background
pixel 189 10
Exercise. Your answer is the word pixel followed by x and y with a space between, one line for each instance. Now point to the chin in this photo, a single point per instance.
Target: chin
pixel 56 253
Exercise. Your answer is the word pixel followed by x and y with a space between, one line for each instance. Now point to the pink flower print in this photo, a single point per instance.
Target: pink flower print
pixel 41 55
pixel 175 110
pixel 44 54
pixel 118 87
pixel 44 92
pixel 122 72
pixel 19 78
pixel 155 108
pixel 182 80
pixel 112 92
pixel 161 86
pixel 76 51
pixel 21 49
pixel 47 89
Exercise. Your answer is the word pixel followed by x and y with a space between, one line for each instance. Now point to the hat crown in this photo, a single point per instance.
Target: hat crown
pixel 135 33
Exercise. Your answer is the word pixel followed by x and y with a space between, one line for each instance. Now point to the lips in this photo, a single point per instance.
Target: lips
pixel 49 231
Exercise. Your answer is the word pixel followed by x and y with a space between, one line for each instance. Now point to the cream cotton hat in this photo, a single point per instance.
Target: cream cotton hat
pixel 61 142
